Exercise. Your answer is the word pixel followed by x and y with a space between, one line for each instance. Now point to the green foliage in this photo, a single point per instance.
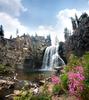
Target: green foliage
pixel 85 94
pixel 64 81
pixel 85 63
pixel 63 86
pixel 45 88
pixel 27 95
pixel 82 61
pixel 72 62
pixel 41 96
pixel 56 89
pixel 4 69
pixel 24 95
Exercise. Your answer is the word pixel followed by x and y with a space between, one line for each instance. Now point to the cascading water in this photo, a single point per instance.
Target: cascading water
pixel 51 58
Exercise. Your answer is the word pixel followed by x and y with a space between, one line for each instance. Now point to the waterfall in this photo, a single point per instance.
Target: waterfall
pixel 51 58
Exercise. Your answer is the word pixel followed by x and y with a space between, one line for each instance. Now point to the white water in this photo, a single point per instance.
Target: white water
pixel 51 58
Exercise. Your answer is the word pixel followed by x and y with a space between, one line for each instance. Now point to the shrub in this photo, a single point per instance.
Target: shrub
pixel 78 76
pixel 64 81
pixel 72 62
pixel 85 93
pixel 56 89
pixel 55 79
pixel 85 63
pixel 82 61
pixel 76 81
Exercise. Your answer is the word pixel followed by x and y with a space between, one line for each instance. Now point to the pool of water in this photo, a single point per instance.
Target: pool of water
pixel 33 75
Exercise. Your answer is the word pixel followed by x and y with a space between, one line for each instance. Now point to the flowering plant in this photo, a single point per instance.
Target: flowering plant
pixel 76 79
pixel 55 79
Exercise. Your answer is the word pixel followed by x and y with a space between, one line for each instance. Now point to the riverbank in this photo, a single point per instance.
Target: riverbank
pixel 12 88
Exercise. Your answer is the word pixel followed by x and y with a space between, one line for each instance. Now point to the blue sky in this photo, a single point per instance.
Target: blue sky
pixel 40 16
pixel 44 11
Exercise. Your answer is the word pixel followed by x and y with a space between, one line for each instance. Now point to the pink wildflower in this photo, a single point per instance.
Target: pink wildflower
pixel 55 79
pixel 79 69
pixel 76 79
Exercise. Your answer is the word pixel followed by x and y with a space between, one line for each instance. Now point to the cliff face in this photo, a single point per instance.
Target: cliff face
pixel 78 42
pixel 23 51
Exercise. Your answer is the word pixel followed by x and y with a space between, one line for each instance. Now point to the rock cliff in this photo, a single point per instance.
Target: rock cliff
pixel 24 51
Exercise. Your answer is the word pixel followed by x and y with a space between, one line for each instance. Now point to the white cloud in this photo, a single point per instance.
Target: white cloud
pixel 14 7
pixel 46 30
pixel 11 24
pixel 88 2
pixel 63 20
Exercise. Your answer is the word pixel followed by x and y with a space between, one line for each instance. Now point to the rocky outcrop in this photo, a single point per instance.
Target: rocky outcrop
pixel 78 42
pixel 6 88
pixel 26 51
pixel 62 51
pixel 38 46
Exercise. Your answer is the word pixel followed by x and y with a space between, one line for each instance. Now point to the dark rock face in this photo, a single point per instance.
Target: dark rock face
pixel 78 42
pixel 61 51
pixel 26 51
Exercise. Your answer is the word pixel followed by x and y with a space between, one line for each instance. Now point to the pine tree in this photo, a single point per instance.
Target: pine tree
pixel 66 33
pixel 1 31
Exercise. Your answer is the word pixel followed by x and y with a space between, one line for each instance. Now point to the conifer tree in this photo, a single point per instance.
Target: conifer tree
pixel 1 31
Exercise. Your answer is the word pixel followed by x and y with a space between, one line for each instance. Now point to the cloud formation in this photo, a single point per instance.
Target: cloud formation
pixel 13 7
pixel 11 24
pixel 62 20
pixel 46 30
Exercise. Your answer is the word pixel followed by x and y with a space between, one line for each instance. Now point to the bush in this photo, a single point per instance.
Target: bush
pixel 85 63
pixel 85 93
pixel 76 81
pixel 72 62
pixel 5 69
pixel 64 81
pixel 56 89
pixel 75 62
